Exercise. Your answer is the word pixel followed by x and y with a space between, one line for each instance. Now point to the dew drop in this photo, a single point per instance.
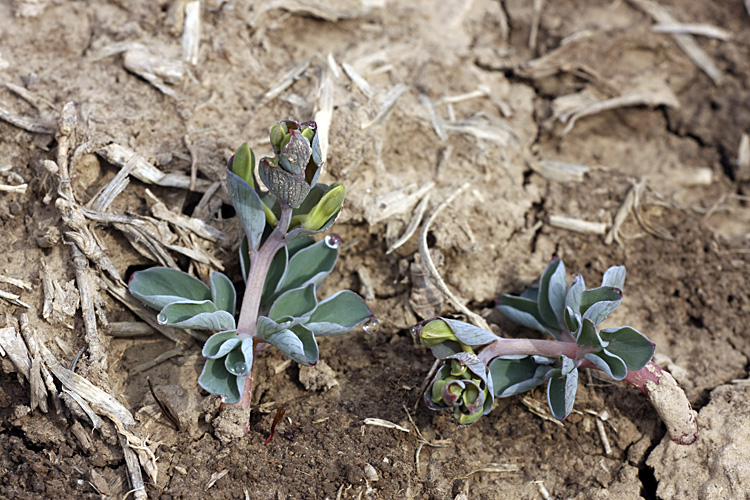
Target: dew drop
pixel 333 241
pixel 240 367
pixel 372 325
pixel 162 319
pixel 224 398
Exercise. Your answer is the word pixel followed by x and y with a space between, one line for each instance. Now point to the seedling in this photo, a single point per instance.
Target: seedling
pixel 478 366
pixel 281 263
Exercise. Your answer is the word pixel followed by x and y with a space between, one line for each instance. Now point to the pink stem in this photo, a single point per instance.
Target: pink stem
pixel 260 263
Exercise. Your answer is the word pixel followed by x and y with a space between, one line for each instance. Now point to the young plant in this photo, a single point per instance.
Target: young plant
pixel 479 365
pixel 281 263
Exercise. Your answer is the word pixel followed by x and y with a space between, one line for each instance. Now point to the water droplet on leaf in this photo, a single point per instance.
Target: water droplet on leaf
pixel 372 325
pixel 224 398
pixel 333 241
pixel 240 367
pixel 162 318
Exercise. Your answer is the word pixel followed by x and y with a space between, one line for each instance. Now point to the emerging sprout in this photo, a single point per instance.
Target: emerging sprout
pixel 479 365
pixel 281 263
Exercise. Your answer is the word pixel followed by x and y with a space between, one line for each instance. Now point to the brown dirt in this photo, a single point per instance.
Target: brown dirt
pixel 685 289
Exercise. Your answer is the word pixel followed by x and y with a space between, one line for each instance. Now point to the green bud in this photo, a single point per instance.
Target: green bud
pixel 458 369
pixel 327 207
pixel 436 332
pixel 308 133
pixel 471 393
pixel 285 141
pixel 277 133
pixel 243 164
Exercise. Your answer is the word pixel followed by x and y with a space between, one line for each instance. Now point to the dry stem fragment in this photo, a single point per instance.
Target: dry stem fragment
pixel 36 127
pixel 686 42
pixel 432 272
pixel 577 225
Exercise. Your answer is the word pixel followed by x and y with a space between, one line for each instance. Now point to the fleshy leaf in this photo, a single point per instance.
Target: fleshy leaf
pixel 515 376
pixel 575 293
pixel 470 334
pixel 295 303
pixel 248 206
pixel 561 389
pixel 275 275
pixel 298 343
pixel 217 380
pixel 159 286
pixel 589 336
pixel 572 321
pixel 196 314
pixel 552 288
pixel 630 345
pixel 524 312
pixel 608 363
pixel 236 363
pixel 213 346
pixel 339 313
pixel 614 277
pixel 223 294
pixel 598 303
pixel 244 258
pixel 309 265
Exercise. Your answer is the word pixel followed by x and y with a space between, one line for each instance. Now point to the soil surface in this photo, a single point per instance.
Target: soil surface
pixel 426 97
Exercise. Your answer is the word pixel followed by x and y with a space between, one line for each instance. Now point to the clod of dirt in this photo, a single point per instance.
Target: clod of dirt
pixel 717 465
pixel 184 404
pixel 318 377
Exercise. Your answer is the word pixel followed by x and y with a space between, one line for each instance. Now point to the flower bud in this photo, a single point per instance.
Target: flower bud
pixel 328 206
pixel 243 164
pixel 436 332
pixel 462 385
pixel 295 153
pixel 288 188
pixel 278 133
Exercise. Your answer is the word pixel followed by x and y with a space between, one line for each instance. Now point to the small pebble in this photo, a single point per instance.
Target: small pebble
pixel 370 473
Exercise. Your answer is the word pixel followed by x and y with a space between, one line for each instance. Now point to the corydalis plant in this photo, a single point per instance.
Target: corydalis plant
pixel 479 365
pixel 281 263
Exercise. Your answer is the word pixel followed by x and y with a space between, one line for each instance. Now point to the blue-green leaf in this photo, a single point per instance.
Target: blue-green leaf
pixel 572 321
pixel 223 294
pixel 608 363
pixel 213 346
pixel 630 345
pixel 248 206
pixel 470 334
pixel 295 303
pixel 339 313
pixel 196 314
pixel 589 336
pixel 217 380
pixel 309 265
pixel 552 288
pixel 598 303
pixel 515 375
pixel 298 343
pixel 159 286
pixel 524 312
pixel 561 389
pixel 237 364
pixel 575 293
pixel 275 275
pixel 614 277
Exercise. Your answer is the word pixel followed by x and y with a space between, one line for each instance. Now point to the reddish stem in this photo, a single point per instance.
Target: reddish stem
pixel 669 401
pixel 260 263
